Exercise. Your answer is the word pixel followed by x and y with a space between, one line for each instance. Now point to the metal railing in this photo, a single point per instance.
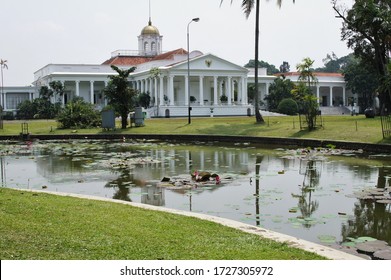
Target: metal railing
pixel 386 125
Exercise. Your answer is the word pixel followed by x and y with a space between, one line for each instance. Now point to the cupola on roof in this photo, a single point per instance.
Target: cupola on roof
pixel 150 29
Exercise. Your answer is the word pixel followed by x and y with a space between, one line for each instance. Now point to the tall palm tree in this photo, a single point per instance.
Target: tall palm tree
pixel 3 65
pixel 248 6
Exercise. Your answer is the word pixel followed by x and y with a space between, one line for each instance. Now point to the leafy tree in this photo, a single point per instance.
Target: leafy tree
pixel 120 95
pixel 143 100
pixel 271 69
pixel 57 89
pixel 26 110
pixel 306 71
pixel 248 6
pixel 334 64
pixel 362 80
pixel 366 29
pixel 79 114
pixel 308 103
pixel 288 106
pixel 280 89
pixel 285 67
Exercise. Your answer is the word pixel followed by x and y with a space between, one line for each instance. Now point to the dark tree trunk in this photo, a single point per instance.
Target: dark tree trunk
pixel 258 116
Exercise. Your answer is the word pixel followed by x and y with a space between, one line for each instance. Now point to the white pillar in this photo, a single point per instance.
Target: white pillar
pixel 343 96
pixel 156 92
pixel 331 96
pixel 5 101
pixel 106 84
pixel 77 85
pixel 318 93
pixel 201 90
pixel 63 95
pixel 215 89
pixel 161 80
pixel 244 90
pixel 92 92
pixel 229 89
pixel 186 91
pixel 171 90
pixel 142 86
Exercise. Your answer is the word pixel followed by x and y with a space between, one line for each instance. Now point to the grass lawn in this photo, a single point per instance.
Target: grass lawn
pixel 47 227
pixel 344 128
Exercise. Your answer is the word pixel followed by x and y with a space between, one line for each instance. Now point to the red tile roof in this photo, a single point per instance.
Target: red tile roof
pixel 127 60
pixel 169 55
pixel 318 74
pixel 136 60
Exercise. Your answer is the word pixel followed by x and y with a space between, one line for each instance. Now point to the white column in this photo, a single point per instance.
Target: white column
pixel 201 90
pixel 63 95
pixel 215 89
pixel 92 92
pixel 244 90
pixel 156 92
pixel 186 90
pixel 77 85
pixel 106 84
pixel 331 96
pixel 161 78
pixel 229 89
pixel 343 96
pixel 5 101
pixel 171 90
pixel 318 92
pixel 142 86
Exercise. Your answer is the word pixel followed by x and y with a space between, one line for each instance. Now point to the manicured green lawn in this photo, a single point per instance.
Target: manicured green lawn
pixel 345 128
pixel 47 227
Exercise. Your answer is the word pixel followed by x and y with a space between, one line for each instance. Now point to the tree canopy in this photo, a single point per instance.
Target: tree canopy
pixel 120 95
pixel 366 29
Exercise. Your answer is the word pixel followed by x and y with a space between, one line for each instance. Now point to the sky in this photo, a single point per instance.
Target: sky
pixel 36 33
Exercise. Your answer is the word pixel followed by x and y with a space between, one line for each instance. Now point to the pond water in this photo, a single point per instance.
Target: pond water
pixel 316 195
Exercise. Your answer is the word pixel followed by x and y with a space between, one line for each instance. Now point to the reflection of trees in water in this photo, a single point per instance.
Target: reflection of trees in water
pixel 257 168
pixel 306 205
pixel 121 185
pixel 370 219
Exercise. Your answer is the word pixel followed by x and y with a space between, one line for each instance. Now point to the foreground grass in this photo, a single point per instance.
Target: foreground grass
pixel 344 128
pixel 43 226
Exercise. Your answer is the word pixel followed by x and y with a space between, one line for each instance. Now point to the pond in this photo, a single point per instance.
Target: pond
pixel 326 196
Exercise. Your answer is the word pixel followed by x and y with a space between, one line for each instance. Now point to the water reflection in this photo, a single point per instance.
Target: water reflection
pixel 277 189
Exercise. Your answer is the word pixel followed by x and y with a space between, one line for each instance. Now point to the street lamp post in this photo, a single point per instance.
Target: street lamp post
pixel 188 66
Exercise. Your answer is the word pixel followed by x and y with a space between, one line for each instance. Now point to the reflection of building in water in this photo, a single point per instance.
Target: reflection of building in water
pixel 174 162
pixel 3 174
pixel 49 166
pixel 153 196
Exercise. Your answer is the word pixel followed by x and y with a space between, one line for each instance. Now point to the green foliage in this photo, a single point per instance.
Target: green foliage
pixel 39 108
pixel 366 29
pixel 306 71
pixel 307 103
pixel 334 64
pixel 79 114
pixel 271 69
pixel 288 106
pixel 361 79
pixel 223 98
pixel 143 100
pixel 120 95
pixel 280 89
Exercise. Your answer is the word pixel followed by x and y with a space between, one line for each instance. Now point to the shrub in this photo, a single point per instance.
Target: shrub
pixel 288 106
pixel 79 114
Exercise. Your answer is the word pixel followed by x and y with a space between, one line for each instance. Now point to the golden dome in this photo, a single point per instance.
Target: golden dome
pixel 150 30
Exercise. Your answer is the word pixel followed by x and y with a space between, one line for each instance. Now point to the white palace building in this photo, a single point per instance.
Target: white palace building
pixel 168 84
